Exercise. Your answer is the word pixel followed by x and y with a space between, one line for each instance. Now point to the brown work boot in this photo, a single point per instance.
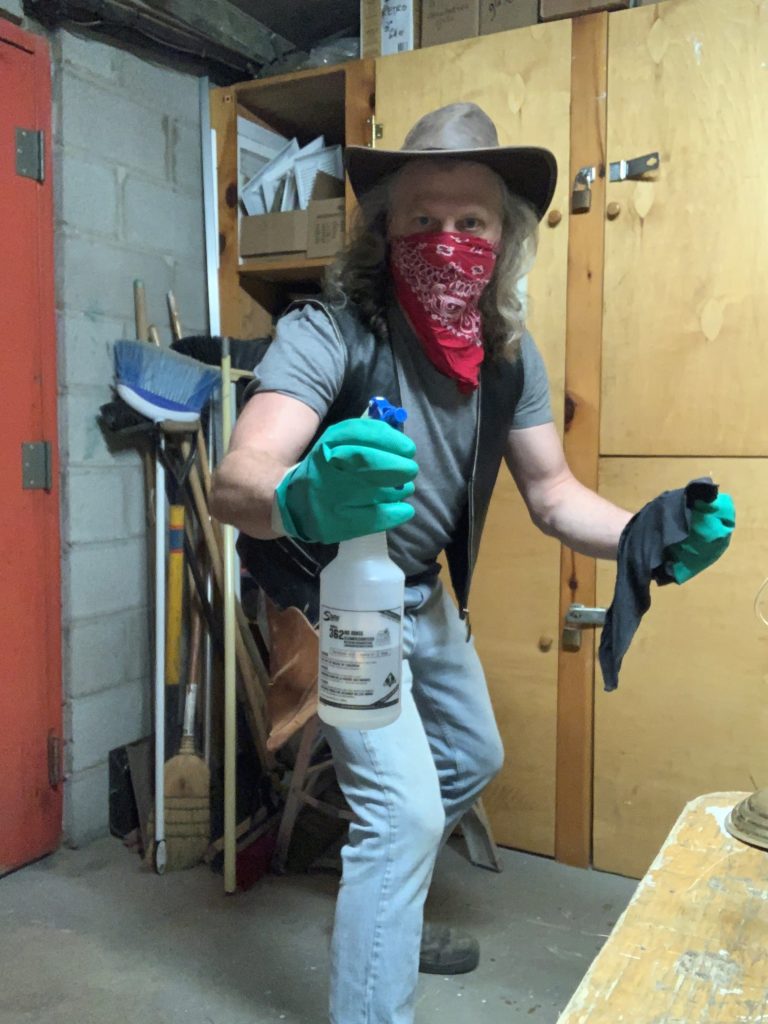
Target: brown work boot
pixel 446 950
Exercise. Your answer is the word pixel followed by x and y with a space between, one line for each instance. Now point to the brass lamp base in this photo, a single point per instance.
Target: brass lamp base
pixel 748 821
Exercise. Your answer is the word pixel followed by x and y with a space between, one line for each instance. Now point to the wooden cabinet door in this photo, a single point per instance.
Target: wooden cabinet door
pixel 690 715
pixel 684 345
pixel 684 355
pixel 522 80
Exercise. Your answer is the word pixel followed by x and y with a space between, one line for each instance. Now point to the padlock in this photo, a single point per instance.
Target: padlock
pixel 581 194
pixel 581 199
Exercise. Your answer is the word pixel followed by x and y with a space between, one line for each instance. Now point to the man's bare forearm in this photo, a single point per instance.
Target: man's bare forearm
pixel 243 491
pixel 582 520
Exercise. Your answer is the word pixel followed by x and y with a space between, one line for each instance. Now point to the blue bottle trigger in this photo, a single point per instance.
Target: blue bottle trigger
pixel 380 409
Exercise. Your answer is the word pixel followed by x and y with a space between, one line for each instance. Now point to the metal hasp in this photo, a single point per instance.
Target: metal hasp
pixel 30 154
pixel 36 465
pixel 620 170
pixel 577 618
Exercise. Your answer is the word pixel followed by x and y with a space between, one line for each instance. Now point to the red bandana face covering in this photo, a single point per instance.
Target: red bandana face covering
pixel 439 279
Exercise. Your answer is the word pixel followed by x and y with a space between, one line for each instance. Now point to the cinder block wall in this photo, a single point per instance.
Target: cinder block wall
pixel 128 205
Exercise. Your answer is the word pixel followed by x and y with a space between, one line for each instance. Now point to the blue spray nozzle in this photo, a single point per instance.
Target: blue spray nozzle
pixel 380 409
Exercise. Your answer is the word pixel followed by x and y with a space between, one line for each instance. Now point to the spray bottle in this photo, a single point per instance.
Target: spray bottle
pixel 361 624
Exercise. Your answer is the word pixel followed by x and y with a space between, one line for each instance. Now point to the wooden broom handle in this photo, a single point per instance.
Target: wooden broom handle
pixel 140 311
pixel 255 681
pixel 194 640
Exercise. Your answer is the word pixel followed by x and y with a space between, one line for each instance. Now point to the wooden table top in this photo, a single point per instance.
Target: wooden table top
pixel 692 946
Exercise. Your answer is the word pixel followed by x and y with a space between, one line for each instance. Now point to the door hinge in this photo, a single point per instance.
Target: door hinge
pixel 30 154
pixel 55 760
pixel 377 130
pixel 36 465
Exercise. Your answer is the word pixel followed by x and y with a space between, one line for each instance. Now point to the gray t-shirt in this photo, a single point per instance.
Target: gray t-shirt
pixel 307 361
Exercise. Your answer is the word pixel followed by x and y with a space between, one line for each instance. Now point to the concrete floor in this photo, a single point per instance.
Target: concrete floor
pixel 89 937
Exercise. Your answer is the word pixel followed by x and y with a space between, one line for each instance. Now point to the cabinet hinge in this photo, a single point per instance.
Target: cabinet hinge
pixel 30 154
pixel 377 130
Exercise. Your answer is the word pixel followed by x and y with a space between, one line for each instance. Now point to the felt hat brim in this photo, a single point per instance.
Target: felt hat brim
pixel 527 171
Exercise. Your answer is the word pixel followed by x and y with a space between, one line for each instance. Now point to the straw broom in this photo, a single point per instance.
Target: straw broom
pixel 187 779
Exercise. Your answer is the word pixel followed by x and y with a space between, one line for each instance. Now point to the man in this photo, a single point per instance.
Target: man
pixel 422 308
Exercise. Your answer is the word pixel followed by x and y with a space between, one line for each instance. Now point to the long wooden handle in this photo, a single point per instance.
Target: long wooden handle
pixel 175 595
pixel 212 536
pixel 173 315
pixel 253 674
pixel 140 311
pixel 190 704
pixel 195 638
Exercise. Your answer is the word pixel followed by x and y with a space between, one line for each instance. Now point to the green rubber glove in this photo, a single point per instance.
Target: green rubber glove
pixel 353 481
pixel 712 524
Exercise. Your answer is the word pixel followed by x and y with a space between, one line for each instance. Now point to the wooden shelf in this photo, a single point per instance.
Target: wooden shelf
pixel 285 268
pixel 336 102
pixel 303 104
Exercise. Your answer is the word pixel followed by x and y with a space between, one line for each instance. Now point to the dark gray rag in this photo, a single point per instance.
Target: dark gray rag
pixel 665 520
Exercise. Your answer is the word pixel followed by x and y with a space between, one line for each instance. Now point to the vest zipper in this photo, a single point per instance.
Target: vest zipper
pixel 471 510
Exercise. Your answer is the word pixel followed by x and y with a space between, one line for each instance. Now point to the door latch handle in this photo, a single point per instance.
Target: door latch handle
pixel 577 618
pixel 580 616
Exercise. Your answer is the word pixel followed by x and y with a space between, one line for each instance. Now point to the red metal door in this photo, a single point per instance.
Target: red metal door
pixel 30 607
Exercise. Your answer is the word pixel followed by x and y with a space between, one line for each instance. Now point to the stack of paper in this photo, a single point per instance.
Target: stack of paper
pixel 284 180
pixel 256 146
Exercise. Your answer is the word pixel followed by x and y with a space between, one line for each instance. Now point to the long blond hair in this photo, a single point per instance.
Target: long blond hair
pixel 360 276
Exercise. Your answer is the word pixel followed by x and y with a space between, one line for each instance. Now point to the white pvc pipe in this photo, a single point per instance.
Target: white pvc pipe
pixel 160 543
pixel 230 708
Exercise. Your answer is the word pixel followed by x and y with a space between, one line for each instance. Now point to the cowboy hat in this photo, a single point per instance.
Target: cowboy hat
pixel 460 131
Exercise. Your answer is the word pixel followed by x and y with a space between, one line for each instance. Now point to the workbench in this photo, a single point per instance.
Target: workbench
pixel 692 946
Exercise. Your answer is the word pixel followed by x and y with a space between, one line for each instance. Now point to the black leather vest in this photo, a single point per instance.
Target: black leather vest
pixel 288 569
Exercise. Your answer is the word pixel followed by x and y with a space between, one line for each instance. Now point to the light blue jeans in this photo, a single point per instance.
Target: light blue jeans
pixel 408 785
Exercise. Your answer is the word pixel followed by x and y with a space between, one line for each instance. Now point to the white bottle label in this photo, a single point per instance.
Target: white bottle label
pixel 360 658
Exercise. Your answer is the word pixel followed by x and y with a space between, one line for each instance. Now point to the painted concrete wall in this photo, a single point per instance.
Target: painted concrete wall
pixel 128 205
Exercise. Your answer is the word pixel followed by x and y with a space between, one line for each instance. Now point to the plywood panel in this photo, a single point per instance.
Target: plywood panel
pixel 575 711
pixel 690 714
pixel 692 945
pixel 515 614
pixel 685 297
pixel 522 80
pixel 242 316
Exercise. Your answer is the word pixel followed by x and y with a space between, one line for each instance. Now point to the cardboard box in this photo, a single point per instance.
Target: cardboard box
pixel 389 26
pixel 446 21
pixel 500 15
pixel 326 227
pixel 550 9
pixel 274 234
pixel 316 231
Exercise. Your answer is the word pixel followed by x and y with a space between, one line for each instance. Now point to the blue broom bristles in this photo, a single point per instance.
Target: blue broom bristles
pixel 167 384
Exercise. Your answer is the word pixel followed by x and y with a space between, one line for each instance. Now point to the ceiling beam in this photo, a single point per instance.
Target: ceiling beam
pixel 227 26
